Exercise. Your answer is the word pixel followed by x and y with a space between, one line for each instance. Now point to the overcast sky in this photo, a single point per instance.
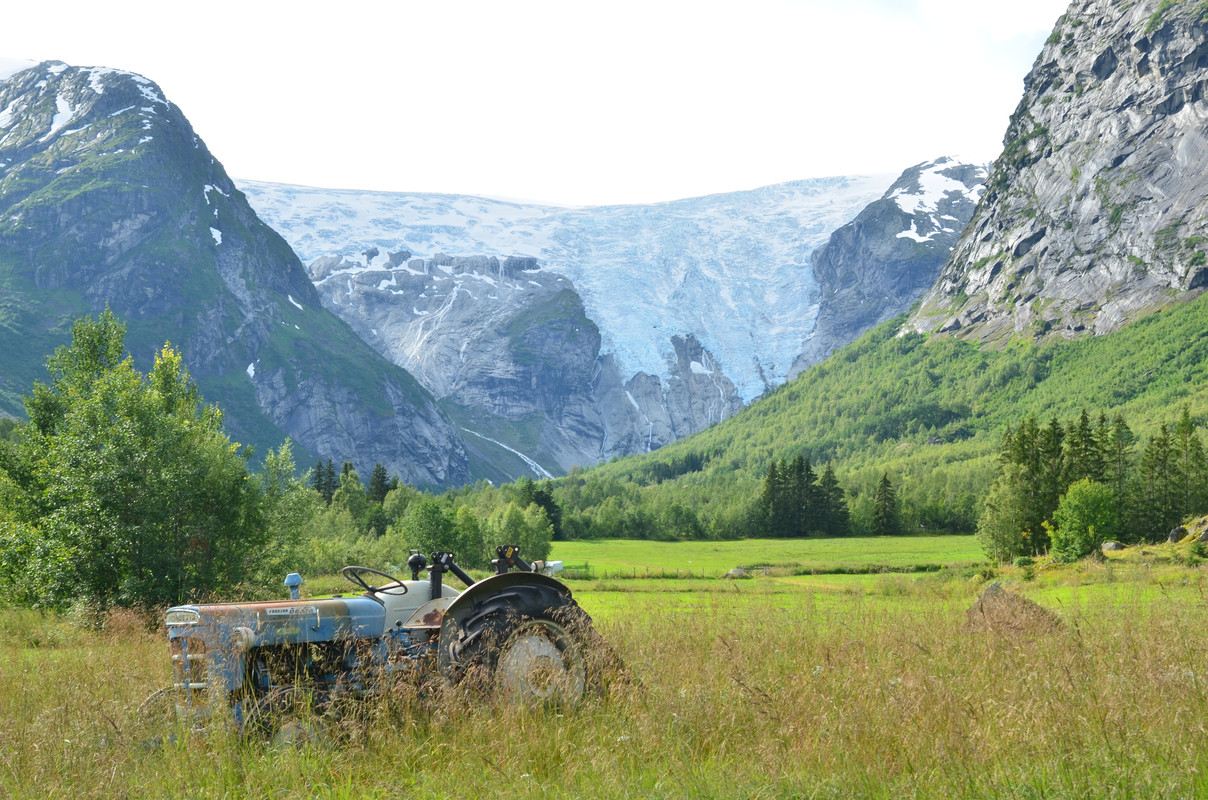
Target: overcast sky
pixel 567 101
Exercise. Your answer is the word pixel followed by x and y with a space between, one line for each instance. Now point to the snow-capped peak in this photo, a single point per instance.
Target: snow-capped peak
pixel 933 187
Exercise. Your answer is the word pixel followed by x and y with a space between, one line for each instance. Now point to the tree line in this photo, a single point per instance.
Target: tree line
pixel 1070 487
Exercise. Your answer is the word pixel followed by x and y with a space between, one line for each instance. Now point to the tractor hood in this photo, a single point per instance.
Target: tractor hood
pixel 244 625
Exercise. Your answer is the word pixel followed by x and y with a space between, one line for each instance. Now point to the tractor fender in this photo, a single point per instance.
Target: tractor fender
pixel 463 606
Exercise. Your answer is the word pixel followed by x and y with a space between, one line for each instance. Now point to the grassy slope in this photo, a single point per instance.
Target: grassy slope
pixel 931 413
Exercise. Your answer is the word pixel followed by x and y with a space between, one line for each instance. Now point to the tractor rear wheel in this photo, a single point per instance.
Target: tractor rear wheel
pixel 526 644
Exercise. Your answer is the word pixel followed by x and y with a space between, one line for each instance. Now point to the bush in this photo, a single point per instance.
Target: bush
pixel 1085 517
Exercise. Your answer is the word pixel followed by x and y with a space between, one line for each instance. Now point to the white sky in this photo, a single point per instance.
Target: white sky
pixel 564 101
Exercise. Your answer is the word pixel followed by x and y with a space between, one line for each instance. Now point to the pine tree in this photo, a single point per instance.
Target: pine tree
pixel 1052 475
pixel 1020 473
pixel 318 478
pixel 1084 458
pixel 379 484
pixel 832 517
pixel 1190 473
pixel 769 499
pixel 1117 447
pixel 802 497
pixel 1156 507
pixel 330 484
pixel 885 509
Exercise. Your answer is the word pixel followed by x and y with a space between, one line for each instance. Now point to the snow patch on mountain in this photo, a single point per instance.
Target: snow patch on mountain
pixel 733 269
pixel 64 113
pixel 931 189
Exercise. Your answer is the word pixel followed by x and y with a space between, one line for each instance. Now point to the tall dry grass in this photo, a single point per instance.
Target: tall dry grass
pixel 860 697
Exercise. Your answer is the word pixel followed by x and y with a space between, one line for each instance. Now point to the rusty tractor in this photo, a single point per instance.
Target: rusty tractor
pixel 277 668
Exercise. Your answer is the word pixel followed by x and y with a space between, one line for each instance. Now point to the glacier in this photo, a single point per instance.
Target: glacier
pixel 731 269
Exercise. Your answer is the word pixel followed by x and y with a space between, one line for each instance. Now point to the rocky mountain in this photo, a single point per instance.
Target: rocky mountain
pixel 876 266
pixel 108 197
pixel 1094 214
pixel 576 335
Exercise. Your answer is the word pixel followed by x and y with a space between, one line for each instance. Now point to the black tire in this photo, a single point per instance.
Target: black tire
pixel 527 644
pixel 289 718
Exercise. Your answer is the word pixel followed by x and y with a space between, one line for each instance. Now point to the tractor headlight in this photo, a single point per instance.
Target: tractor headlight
pixel 182 616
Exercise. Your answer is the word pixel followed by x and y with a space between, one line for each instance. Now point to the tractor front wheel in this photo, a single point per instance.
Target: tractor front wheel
pixel 288 718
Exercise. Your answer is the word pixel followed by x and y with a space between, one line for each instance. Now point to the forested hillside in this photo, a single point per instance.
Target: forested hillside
pixel 929 414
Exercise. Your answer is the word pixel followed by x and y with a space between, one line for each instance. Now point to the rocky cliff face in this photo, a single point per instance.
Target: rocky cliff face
pixel 1094 213
pixel 876 266
pixel 509 349
pixel 107 197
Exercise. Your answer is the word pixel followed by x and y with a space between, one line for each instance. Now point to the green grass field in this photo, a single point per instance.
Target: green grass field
pixel 779 686
pixel 710 559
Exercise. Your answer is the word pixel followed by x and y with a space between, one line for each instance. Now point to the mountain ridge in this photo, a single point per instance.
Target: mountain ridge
pixel 109 198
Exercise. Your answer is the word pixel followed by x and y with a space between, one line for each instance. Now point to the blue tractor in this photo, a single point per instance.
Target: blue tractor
pixel 278 668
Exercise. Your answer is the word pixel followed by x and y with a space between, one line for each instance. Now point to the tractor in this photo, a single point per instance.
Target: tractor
pixel 277 668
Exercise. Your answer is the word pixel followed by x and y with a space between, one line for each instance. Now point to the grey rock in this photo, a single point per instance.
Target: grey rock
pixel 997 610
pixel 1112 546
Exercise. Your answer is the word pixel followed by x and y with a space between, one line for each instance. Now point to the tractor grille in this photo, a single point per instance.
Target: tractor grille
pixel 189 666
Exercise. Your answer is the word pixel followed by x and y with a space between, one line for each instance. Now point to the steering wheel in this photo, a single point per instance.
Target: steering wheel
pixel 355 575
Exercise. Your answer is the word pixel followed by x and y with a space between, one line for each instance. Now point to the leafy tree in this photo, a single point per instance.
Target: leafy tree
pixel 1086 517
pixel 885 509
pixel 472 549
pixel 287 504
pixel 529 529
pixel 136 495
pixel 1002 528
pixel 351 498
pixel 680 522
pixel 428 527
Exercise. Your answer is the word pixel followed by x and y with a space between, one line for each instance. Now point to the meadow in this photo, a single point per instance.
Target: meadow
pixel 825 686
pixel 711 559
